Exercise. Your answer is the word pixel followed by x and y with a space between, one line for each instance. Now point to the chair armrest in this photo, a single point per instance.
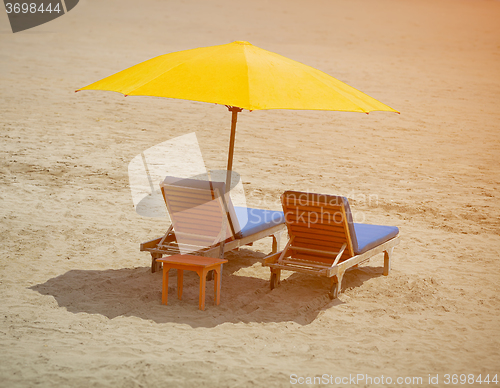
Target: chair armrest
pixel 273 258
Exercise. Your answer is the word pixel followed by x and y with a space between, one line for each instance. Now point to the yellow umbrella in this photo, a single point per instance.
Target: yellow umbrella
pixel 240 76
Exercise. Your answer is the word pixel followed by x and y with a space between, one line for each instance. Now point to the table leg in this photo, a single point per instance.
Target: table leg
pixel 217 284
pixel 180 279
pixel 203 279
pixel 164 292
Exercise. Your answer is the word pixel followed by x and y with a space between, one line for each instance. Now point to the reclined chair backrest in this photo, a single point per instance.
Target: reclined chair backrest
pixel 199 213
pixel 318 222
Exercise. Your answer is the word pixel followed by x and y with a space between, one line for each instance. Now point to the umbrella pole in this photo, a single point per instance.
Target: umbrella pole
pixel 234 117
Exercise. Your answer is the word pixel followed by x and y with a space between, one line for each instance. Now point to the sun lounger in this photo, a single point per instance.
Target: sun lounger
pixel 205 222
pixel 324 240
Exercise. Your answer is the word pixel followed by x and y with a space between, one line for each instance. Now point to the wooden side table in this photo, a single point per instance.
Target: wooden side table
pixel 200 265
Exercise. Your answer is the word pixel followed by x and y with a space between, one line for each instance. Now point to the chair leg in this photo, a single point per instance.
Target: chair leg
pixel 275 280
pixel 336 286
pixel 387 261
pixel 215 252
pixel 221 250
pixel 155 266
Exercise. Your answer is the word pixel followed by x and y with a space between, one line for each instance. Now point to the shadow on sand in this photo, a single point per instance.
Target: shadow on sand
pixel 136 292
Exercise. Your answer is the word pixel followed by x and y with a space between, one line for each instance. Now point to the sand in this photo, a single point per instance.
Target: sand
pixel 79 305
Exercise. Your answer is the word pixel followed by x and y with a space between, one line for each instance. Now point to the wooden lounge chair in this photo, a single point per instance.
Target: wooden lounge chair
pixel 324 241
pixel 205 222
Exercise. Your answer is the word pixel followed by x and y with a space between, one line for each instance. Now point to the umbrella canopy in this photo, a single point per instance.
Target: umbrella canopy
pixel 240 76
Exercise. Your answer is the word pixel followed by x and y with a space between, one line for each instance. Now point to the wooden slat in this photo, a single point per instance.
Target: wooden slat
pixel 200 212
pixel 289 267
pixel 203 223
pixel 201 218
pixel 213 233
pixel 312 257
pixel 197 228
pixel 194 235
pixel 185 245
pixel 295 219
pixel 318 248
pixel 199 232
pixel 317 251
pixel 310 264
pixel 199 215
pixel 315 258
pixel 309 217
pixel 191 249
pixel 326 227
pixel 182 190
pixel 321 233
pixel 189 200
pixel 193 217
pixel 196 243
pixel 333 232
pixel 311 197
pixel 196 239
pixel 315 209
pixel 320 238
pixel 186 204
pixel 329 246
pixel 201 209
pixel 288 201
pixel 295 266
pixel 188 193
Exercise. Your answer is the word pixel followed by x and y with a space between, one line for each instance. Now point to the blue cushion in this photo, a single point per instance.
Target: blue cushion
pixel 370 236
pixel 255 220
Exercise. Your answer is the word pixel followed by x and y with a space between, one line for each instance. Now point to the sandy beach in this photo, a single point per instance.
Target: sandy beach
pixel 79 305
